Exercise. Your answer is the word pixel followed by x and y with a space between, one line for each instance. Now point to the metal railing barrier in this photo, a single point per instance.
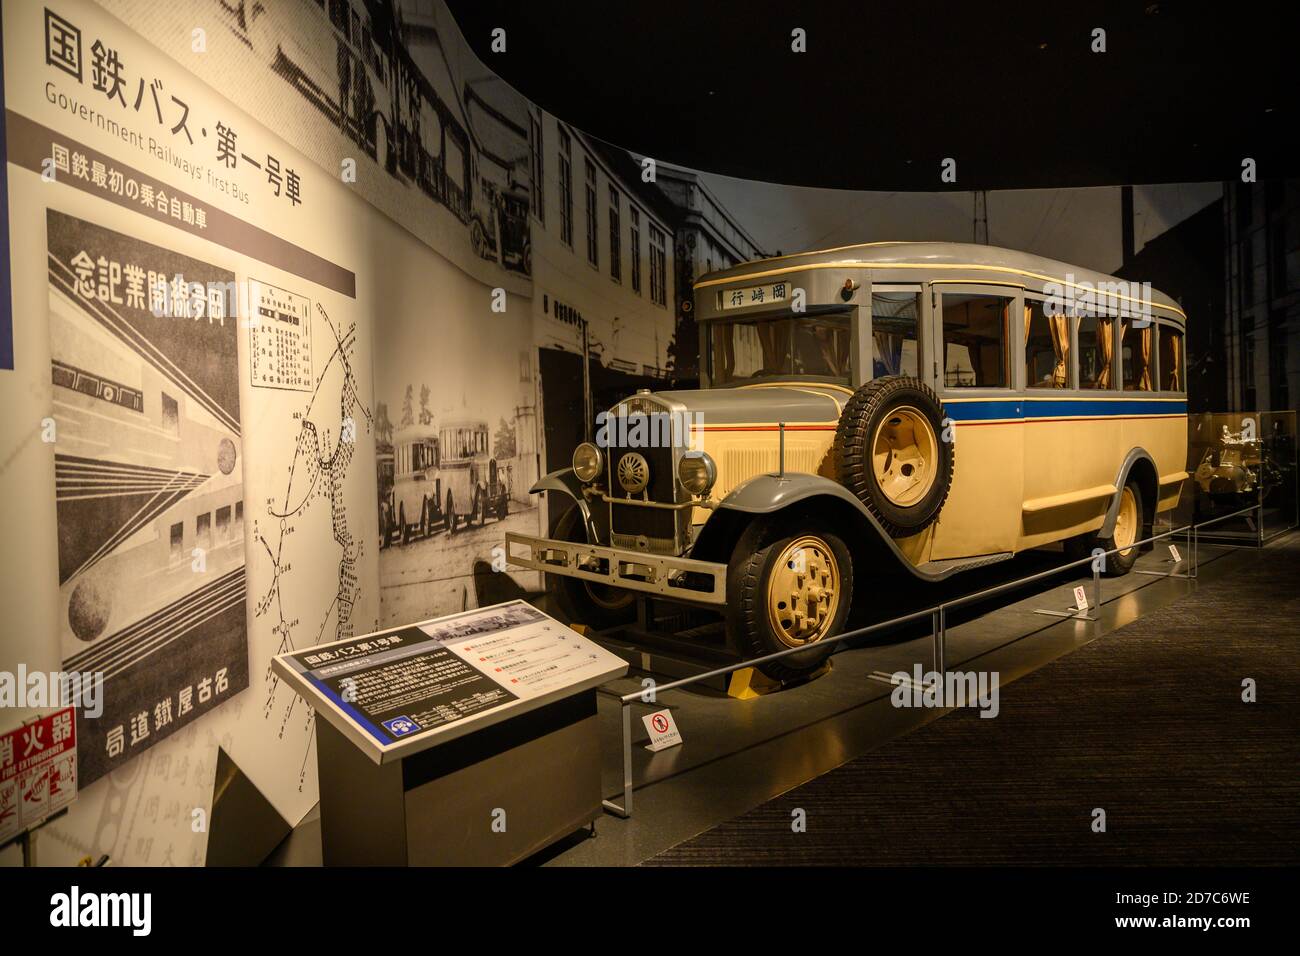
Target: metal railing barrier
pixel 938 632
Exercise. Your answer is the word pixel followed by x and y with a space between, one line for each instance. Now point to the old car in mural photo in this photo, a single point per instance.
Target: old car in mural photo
pixel 869 412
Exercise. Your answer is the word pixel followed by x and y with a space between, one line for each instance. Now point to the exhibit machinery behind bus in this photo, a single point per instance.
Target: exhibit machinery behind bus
pixel 873 410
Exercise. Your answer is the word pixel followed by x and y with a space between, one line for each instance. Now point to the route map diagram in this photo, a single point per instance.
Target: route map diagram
pixel 312 511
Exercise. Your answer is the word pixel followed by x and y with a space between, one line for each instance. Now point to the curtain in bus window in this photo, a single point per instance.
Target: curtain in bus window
pixel 1136 356
pixel 888 346
pixel 775 340
pixel 833 344
pixel 1145 383
pixel 1106 349
pixel 1171 359
pixel 1047 348
pixel 1059 326
pixel 724 354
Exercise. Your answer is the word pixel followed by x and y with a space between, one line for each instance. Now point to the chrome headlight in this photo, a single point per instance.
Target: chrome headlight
pixel 697 472
pixel 588 460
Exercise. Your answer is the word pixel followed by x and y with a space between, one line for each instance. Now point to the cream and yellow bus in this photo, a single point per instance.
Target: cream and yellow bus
pixel 887 408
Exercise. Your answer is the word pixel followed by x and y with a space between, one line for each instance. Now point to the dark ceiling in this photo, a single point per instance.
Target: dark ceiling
pixel 887 91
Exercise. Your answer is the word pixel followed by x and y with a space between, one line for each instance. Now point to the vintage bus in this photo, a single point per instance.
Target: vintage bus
pixel 874 410
pixel 476 488
pixel 417 489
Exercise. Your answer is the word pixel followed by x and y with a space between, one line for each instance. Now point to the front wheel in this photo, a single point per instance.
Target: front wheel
pixel 790 585
pixel 586 602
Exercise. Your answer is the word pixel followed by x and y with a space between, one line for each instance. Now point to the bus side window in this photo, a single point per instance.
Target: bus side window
pixel 894 318
pixel 1047 348
pixel 1136 354
pixel 975 340
pixel 1171 359
pixel 1096 344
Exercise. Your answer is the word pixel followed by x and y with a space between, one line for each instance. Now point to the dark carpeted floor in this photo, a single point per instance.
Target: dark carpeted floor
pixel 1147 723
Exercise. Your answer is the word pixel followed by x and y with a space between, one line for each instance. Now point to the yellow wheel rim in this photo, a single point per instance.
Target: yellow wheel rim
pixel 803 591
pixel 1126 521
pixel 904 455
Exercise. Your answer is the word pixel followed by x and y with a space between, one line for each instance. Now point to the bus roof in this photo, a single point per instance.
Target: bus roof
pixel 911 261
pixel 415 433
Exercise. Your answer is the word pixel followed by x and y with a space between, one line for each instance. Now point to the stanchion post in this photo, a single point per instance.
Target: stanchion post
pixel 627 758
pixel 1196 551
pixel 1096 585
pixel 937 629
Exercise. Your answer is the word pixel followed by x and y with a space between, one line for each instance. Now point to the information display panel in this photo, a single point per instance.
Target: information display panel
pixel 398 691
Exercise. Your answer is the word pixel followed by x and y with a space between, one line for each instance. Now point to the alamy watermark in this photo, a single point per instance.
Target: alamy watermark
pixel 947 690
pixel 654 430
pixel 81 689
pixel 1076 297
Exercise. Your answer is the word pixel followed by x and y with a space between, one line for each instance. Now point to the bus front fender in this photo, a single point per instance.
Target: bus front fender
pixel 566 482
pixel 770 494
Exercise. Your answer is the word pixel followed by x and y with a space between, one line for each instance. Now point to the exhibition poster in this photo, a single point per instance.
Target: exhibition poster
pixel 149 492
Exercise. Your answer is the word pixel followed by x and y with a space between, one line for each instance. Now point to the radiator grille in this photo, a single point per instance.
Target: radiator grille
pixel 635 526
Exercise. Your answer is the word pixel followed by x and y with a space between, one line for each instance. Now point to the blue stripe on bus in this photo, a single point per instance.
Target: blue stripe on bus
pixel 1059 408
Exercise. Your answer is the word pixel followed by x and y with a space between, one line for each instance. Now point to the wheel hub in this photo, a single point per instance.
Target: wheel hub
pixel 803 591
pixel 1126 521
pixel 904 456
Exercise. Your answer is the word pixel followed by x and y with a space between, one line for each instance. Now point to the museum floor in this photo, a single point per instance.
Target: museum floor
pixel 1147 723
pixel 1138 713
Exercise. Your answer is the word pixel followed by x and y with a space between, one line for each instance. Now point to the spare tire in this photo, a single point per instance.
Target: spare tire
pixel 890 452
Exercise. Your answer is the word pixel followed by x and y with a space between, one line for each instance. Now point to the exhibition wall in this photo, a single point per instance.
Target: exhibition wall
pixel 208 496
pixel 382 249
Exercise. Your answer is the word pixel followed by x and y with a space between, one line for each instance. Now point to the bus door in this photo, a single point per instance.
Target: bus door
pixel 898 315
pixel 973 335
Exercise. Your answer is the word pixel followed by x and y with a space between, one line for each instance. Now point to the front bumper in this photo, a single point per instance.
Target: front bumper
pixel 682 579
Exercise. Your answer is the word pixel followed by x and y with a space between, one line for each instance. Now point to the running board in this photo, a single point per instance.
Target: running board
pixel 938 570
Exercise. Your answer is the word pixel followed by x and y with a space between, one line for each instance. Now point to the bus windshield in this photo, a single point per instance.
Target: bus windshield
pixel 815 347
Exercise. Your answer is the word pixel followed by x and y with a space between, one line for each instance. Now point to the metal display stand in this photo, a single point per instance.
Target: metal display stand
pixel 491 798
pixel 468 740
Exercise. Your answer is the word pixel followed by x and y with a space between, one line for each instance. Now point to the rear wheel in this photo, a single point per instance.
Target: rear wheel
pixel 789 586
pixel 586 602
pixel 1129 523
